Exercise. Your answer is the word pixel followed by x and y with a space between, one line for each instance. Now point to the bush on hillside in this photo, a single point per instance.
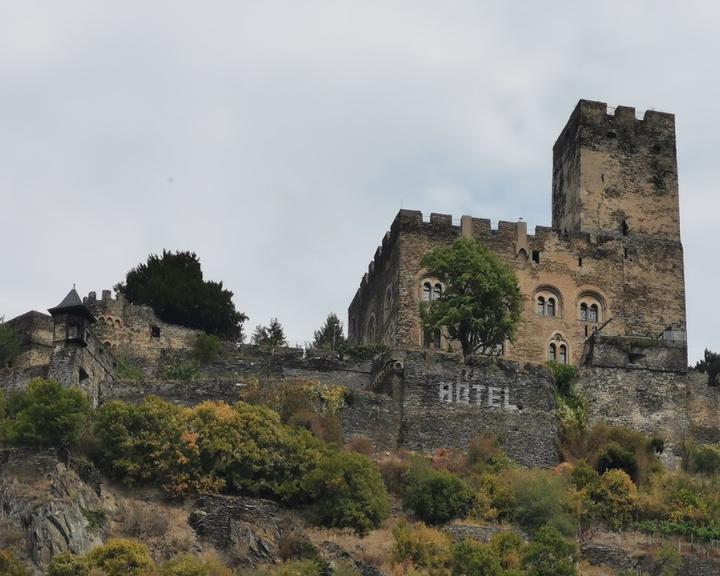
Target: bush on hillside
pixel 206 448
pixel 435 496
pixel 550 554
pixel 470 557
pixel 348 491
pixel 11 566
pixel 187 565
pixel 421 545
pixel 615 497
pixel 206 348
pixel 538 497
pixel 119 557
pixel 701 458
pixel 46 414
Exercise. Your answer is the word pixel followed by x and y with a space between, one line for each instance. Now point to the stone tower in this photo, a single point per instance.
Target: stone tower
pixel 78 358
pixel 615 174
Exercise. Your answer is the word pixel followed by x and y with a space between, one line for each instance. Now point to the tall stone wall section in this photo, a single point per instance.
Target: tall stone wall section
pixel 675 407
pixel 35 332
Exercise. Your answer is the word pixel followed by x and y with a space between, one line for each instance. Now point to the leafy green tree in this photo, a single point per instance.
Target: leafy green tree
pixel 330 335
pixel 272 335
pixel 348 491
pixel 539 497
pixel 481 302
pixel 435 496
pixel 710 364
pixel 616 498
pixel 46 414
pixel 549 554
pixel 475 558
pixel 206 348
pixel 668 561
pixel 173 286
pixel 9 344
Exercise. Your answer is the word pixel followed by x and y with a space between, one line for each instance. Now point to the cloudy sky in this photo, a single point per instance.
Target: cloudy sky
pixel 279 139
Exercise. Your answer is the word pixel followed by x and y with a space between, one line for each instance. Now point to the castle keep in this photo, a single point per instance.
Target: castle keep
pixel 610 266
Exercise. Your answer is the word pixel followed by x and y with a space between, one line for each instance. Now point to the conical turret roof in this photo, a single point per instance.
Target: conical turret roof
pixel 72 304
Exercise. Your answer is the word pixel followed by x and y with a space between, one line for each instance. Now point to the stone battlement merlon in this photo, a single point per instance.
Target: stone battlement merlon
pixel 596 116
pixel 106 296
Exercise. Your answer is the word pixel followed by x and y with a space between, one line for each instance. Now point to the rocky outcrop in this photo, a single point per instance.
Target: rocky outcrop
pixel 247 530
pixel 49 503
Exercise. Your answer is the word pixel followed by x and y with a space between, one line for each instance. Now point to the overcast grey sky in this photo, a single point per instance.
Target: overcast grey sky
pixel 278 139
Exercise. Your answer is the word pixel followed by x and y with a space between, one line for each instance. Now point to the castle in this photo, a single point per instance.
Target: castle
pixel 611 265
pixel 603 289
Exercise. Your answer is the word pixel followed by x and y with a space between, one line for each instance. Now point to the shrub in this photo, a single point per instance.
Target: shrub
pixel 68 564
pixel 474 558
pixel 293 568
pixel 296 546
pixel 702 459
pixel 421 545
pixel 549 554
pixel 583 475
pixel 435 496
pixel 668 561
pixel 484 453
pixel 510 547
pixel 142 522
pixel 616 498
pixel 126 370
pixel 565 376
pixel 538 497
pixel 185 371
pixel 361 444
pixel 615 457
pixel 348 491
pixel 207 448
pixel 187 565
pixel 393 469
pixel 46 414
pixel 118 557
pixel 11 566
pixel 206 348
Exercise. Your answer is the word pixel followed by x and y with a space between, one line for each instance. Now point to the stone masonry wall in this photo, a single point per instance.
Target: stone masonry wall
pixel 135 331
pixel 673 406
pixel 445 404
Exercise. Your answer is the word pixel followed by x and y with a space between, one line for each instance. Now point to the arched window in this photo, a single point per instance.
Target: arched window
pixel 583 312
pixel 427 292
pixel 563 354
pixel 548 301
pixel 437 291
pixel 592 307
pixel 73 331
pixel 551 307
pixel 552 352
pixel 593 315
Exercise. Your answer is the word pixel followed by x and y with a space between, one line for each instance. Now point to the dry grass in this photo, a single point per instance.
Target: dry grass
pixel 375 548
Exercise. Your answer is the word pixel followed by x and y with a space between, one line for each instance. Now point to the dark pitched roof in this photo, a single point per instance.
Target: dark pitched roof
pixel 72 304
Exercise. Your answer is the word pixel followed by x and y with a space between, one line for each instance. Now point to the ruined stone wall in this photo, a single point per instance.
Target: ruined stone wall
pixel 35 332
pixel 673 406
pixel 135 331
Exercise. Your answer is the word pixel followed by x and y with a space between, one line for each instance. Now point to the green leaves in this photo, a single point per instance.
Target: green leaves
pixel 481 302
pixel 173 286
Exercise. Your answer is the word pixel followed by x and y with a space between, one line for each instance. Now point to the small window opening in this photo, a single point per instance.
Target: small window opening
pixel 541 306
pixel 593 313
pixel 563 354
pixel 73 331
pixel 536 256
pixel 625 253
pixel 155 331
pixel 583 312
pixel 586 331
pixel 552 353
pixel 551 307
pixel 612 134
pixel 437 291
pixel 625 228
pixel 580 261
pixel 82 375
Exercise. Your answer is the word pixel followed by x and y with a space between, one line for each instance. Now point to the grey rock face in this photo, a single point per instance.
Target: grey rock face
pixel 49 503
